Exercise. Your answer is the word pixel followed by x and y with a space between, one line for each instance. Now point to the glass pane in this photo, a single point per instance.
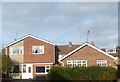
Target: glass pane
pixel 29 69
pixel 16 69
pixel 24 68
pixel 47 70
pixel 38 49
pixel 40 69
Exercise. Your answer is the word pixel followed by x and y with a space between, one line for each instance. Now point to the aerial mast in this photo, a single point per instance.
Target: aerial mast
pixel 87 35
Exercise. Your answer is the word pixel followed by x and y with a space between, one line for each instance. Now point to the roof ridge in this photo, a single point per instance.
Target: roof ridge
pixel 29 35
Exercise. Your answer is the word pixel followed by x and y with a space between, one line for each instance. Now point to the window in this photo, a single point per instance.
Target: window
pixel 102 62
pixel 16 69
pixel 16 50
pixel 24 68
pixel 74 63
pixel 38 49
pixel 111 50
pixel 42 69
pixel 29 69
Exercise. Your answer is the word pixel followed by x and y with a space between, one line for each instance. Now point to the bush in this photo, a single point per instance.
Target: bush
pixel 82 73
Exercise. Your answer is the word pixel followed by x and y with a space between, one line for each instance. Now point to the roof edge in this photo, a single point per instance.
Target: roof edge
pixel 25 38
pixel 89 46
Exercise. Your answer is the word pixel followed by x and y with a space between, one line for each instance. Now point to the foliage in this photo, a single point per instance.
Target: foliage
pixel 82 73
pixel 6 64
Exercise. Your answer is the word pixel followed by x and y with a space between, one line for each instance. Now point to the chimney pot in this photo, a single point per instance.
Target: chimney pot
pixel 70 44
pixel 92 43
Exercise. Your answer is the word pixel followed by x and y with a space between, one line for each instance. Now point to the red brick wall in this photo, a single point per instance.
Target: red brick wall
pixel 90 54
pixel 48 55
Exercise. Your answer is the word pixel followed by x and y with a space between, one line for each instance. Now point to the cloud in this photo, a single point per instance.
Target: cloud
pixel 61 22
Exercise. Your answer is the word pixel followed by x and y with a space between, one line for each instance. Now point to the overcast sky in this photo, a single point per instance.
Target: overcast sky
pixel 61 22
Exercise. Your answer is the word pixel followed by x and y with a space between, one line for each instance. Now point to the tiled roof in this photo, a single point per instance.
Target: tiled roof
pixel 114 54
pixel 65 49
pixel 81 46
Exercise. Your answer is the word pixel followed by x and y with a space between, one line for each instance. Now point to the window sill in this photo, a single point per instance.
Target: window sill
pixel 41 73
pixel 15 54
pixel 38 53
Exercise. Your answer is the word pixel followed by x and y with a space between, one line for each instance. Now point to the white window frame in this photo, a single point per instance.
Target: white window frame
pixel 108 50
pixel 101 62
pixel 19 47
pixel 41 47
pixel 75 63
pixel 45 69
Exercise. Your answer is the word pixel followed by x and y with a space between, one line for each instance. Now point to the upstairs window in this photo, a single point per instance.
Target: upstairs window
pixel 38 49
pixel 111 50
pixel 16 50
pixel 102 62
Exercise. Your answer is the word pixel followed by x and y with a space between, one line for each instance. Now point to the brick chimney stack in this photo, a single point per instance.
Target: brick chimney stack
pixel 70 44
pixel 92 43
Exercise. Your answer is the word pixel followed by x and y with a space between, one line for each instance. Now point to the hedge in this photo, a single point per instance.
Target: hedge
pixel 82 73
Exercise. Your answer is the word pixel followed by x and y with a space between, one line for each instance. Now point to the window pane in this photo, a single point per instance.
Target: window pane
pixel 24 68
pixel 102 62
pixel 29 69
pixel 47 70
pixel 38 49
pixel 40 69
pixel 75 63
pixel 16 69
pixel 16 50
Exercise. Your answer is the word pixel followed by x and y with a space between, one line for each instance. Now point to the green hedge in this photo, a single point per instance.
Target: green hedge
pixel 82 73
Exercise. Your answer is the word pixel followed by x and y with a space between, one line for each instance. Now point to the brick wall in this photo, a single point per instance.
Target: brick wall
pixel 90 54
pixel 48 55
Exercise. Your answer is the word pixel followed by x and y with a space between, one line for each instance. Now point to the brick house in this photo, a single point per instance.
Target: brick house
pixel 85 55
pixel 31 56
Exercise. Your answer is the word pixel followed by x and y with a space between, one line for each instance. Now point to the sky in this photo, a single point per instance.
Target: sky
pixel 61 22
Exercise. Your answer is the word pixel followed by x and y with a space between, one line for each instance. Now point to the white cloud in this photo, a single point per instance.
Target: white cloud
pixel 57 21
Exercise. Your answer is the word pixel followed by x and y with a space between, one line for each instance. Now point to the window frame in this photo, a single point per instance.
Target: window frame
pixel 19 66
pixel 11 49
pixel 102 62
pixel 46 68
pixel 109 50
pixel 74 63
pixel 43 51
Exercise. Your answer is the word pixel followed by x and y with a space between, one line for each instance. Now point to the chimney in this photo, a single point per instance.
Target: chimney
pixel 70 44
pixel 92 43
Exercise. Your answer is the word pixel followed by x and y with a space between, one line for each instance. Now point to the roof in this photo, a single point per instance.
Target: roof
pixel 65 49
pixel 27 37
pixel 70 53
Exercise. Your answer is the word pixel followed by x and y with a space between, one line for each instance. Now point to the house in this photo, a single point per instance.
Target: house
pixel 111 51
pixel 31 55
pixel 85 55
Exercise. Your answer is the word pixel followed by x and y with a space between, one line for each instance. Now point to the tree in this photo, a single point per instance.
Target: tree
pixel 6 64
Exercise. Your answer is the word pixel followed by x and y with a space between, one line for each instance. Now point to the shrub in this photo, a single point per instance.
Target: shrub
pixel 82 73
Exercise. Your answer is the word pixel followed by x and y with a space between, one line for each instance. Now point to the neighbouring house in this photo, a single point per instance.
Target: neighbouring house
pixel 31 56
pixel 111 51
pixel 85 55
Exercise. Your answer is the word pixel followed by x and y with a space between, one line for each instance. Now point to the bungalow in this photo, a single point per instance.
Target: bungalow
pixel 85 55
pixel 33 56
